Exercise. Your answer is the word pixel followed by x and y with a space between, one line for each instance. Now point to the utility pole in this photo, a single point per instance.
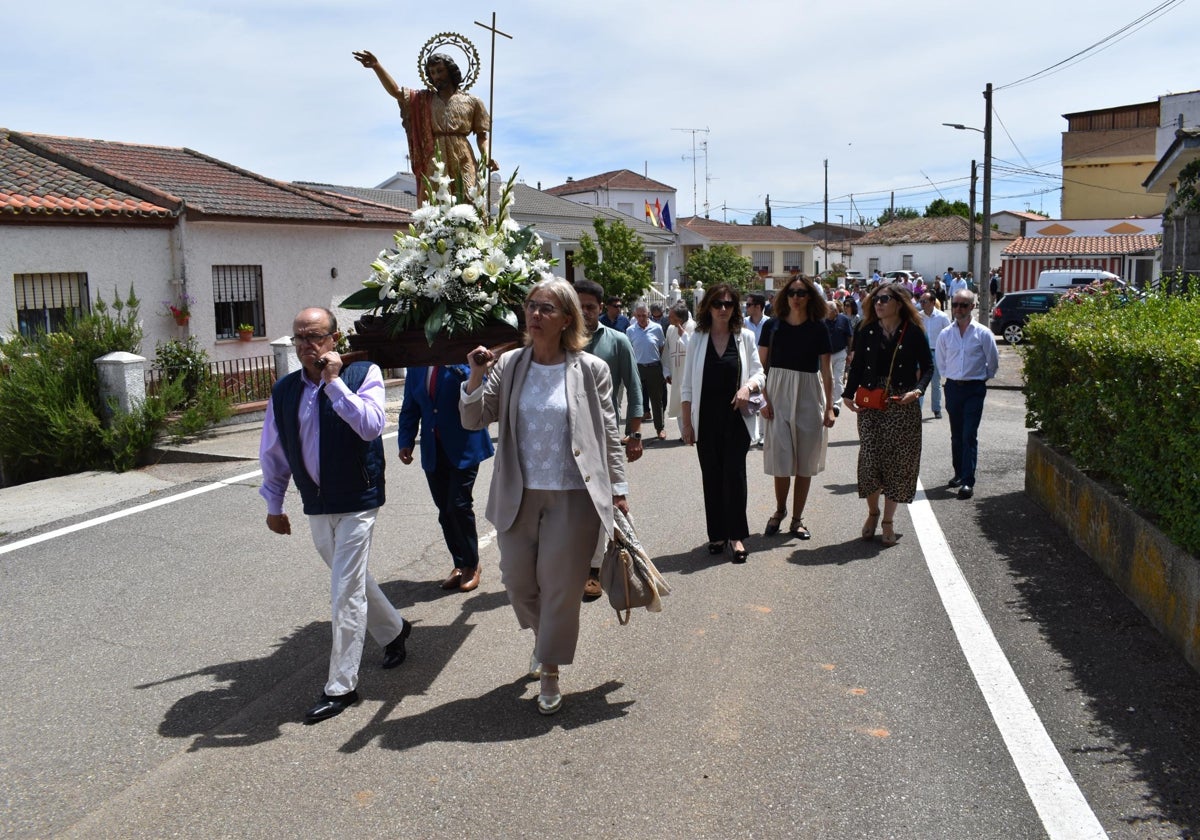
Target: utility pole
pixel 985 282
pixel 971 264
pixel 768 209
pixel 825 226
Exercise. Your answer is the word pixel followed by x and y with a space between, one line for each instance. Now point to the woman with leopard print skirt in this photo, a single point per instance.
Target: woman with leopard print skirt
pixel 890 352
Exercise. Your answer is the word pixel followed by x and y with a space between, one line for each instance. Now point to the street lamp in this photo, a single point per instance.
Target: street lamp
pixel 986 260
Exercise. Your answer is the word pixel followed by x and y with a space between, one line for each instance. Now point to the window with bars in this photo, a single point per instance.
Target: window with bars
pixel 238 299
pixel 793 261
pixel 906 262
pixel 43 301
pixel 873 264
pixel 763 261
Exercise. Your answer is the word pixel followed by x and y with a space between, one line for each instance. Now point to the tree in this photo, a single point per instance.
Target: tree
pixel 940 208
pixel 616 260
pixel 899 213
pixel 719 264
pixel 761 218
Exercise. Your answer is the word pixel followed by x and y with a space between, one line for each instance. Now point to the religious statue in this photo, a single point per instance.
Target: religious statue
pixel 438 119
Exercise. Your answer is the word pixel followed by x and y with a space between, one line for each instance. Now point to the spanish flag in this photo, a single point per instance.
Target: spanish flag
pixel 650 217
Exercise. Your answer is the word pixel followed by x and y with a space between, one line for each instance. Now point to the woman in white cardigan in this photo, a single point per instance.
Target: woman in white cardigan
pixel 721 372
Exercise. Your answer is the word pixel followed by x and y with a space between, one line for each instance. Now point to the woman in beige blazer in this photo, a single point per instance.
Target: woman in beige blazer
pixel 559 470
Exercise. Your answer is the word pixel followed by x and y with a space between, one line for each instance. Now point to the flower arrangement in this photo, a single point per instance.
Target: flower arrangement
pixel 181 311
pixel 455 270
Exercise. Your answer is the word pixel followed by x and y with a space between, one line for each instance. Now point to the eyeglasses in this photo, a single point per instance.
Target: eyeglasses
pixel 961 304
pixel 884 299
pixel 298 340
pixel 797 292
pixel 543 309
pixel 722 304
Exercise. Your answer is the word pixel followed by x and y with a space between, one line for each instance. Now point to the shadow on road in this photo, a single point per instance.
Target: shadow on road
pixel 1144 693
pixel 499 715
pixel 248 710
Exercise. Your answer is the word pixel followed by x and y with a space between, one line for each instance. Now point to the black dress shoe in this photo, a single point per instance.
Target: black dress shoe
pixel 330 706
pixel 394 653
pixel 954 482
pixel 966 491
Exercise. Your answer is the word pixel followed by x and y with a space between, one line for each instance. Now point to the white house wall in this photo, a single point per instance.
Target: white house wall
pixel 112 257
pixel 928 258
pixel 296 261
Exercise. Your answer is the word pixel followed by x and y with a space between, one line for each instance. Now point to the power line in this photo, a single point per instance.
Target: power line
pixel 1103 44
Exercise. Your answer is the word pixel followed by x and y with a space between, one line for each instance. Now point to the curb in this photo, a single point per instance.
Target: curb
pixel 1160 578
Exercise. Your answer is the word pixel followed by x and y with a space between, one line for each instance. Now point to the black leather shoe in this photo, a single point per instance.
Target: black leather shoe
pixel 966 491
pixel 954 482
pixel 330 706
pixel 394 653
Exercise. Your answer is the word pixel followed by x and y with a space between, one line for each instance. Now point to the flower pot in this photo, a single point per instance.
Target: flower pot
pixel 182 320
pixel 245 335
pixel 373 335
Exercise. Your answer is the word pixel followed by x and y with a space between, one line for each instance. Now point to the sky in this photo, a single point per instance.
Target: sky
pixel 728 103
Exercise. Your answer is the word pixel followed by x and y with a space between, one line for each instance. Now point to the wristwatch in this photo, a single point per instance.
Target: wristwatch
pixel 636 436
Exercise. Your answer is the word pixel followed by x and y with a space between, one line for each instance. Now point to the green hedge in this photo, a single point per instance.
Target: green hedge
pixel 1116 383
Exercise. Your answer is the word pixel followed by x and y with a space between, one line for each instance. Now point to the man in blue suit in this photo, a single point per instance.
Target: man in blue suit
pixel 450 456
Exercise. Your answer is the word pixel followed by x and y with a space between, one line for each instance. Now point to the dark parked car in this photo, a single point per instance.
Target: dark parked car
pixel 1014 309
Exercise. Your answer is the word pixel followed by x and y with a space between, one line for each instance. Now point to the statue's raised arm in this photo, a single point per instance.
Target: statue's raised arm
pixel 438 119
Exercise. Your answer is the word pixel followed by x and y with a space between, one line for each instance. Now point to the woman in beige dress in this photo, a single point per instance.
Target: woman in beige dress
pixel 794 349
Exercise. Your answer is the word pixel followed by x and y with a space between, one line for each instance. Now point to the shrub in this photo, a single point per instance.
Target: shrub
pixel 1116 383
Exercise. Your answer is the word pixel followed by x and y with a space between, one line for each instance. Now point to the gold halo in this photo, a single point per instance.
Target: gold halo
pixel 452 39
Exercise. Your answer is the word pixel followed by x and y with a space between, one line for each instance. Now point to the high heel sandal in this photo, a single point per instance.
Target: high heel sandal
pixel 797 529
pixel 868 528
pixel 548 704
pixel 886 540
pixel 774 522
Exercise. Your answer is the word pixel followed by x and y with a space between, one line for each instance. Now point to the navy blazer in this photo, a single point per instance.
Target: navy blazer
pixel 418 411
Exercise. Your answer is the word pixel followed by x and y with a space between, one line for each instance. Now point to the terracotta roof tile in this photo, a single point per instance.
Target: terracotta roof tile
pixel 938 229
pixel 1124 243
pixel 618 179
pixel 33 186
pixel 725 232
pixel 171 180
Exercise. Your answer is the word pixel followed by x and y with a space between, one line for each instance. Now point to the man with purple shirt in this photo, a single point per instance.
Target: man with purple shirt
pixel 322 430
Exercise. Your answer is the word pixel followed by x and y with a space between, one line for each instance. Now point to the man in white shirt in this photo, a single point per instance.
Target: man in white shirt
pixel 935 321
pixel 756 318
pixel 957 284
pixel 966 354
pixel 648 341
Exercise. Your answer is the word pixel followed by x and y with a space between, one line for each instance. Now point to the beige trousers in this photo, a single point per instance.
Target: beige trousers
pixel 544 559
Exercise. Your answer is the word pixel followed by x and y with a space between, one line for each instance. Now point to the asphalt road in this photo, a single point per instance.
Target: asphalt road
pixel 157 667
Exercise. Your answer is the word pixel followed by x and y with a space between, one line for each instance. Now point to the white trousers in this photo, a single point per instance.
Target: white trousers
pixel 357 604
pixel 837 361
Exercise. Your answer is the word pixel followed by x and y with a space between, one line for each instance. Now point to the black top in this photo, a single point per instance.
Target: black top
pixel 795 346
pixel 873 351
pixel 721 379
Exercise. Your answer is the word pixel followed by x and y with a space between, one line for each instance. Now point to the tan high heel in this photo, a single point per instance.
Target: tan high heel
pixel 889 537
pixel 868 529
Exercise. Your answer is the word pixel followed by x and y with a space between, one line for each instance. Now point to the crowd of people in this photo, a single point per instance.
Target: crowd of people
pixel 771 373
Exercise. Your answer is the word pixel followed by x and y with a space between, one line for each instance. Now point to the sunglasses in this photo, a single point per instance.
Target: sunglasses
pixel 797 292
pixel 961 305
pixel 722 304
pixel 884 298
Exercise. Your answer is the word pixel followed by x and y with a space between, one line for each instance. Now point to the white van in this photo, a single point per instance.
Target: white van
pixel 1066 278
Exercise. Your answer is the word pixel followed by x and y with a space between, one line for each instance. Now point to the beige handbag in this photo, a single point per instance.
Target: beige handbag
pixel 628 574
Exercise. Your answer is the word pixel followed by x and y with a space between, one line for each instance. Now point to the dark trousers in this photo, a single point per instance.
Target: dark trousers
pixel 452 493
pixel 723 478
pixel 964 406
pixel 652 391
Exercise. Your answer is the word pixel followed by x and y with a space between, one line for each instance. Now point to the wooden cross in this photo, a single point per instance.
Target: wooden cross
pixel 491 97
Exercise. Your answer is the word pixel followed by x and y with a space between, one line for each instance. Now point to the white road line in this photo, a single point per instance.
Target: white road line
pixel 1060 803
pixel 120 514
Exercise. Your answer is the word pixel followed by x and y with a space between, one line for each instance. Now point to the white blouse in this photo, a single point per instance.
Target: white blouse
pixel 544 432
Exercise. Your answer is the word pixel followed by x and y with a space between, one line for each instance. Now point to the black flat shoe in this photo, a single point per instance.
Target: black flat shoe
pixel 330 706
pixel 394 653
pixel 774 522
pixel 740 555
pixel 717 547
